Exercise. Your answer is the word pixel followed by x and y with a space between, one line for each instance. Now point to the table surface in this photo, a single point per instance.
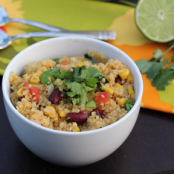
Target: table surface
pixel 148 149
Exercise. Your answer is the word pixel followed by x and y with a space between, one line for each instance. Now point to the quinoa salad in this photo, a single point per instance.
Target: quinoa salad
pixel 73 93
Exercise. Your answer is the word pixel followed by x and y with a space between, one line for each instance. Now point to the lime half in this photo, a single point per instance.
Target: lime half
pixel 155 19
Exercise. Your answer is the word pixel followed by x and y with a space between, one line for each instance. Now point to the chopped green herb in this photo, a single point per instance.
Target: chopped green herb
pixel 53 79
pixel 75 87
pixel 91 103
pixel 23 73
pixel 154 68
pixel 83 97
pixel 172 59
pixel 130 101
pixel 163 79
pixel 44 77
pixel 87 56
pixel 55 71
pixel 102 89
pixel 90 72
pixel 68 118
pixel 20 83
pixel 157 54
pixel 56 60
pixel 87 88
pixel 76 72
pixel 79 82
pixel 129 104
pixel 128 107
pixel 75 101
pixel 91 82
pixel 71 94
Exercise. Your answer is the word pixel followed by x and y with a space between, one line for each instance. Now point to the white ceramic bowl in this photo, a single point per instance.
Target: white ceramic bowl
pixel 70 148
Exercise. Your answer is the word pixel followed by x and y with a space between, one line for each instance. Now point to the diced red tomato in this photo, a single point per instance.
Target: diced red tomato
pixel 102 97
pixel 34 91
pixel 25 85
pixel 64 63
pixel 3 29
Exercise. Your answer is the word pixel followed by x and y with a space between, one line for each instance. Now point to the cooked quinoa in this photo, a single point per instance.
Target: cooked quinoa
pixel 72 93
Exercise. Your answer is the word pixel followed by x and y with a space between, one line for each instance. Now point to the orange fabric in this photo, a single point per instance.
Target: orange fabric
pixel 151 98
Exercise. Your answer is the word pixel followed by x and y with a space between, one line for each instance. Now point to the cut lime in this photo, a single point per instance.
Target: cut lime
pixel 155 19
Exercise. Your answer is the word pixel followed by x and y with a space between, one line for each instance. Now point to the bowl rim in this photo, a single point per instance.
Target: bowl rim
pixel 16 113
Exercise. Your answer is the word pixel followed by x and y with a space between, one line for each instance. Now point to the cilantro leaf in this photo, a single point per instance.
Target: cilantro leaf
pixel 83 97
pixel 163 79
pixel 155 69
pixel 71 94
pixel 98 74
pixel 44 77
pixel 61 75
pixel 75 101
pixel 89 72
pixel 53 79
pixel 23 73
pixel 128 107
pixel 157 54
pixel 129 104
pixel 65 75
pixel 130 101
pixel 91 82
pixel 75 87
pixel 143 65
pixel 87 56
pixel 172 59
pixel 171 67
pixel 55 70
pixel 76 71
pixel 56 60
pixel 102 89
pixel 87 88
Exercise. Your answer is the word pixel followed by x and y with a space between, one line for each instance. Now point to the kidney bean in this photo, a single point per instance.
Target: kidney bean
pixel 20 98
pixel 118 80
pixel 97 112
pixel 55 96
pixel 77 117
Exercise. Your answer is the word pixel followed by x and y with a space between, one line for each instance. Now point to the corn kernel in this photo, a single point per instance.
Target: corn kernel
pixel 51 112
pixel 109 90
pixel 62 114
pixel 30 75
pixel 124 74
pixel 55 118
pixel 77 129
pixel 15 77
pixel 79 64
pixel 20 92
pixel 38 73
pixel 35 79
pixel 130 78
pixel 130 90
pixel 118 85
pixel 121 101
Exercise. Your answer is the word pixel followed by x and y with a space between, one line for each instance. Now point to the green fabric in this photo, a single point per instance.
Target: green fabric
pixel 167 95
pixel 68 14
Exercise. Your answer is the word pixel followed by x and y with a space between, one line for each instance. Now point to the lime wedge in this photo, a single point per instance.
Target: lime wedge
pixel 155 19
